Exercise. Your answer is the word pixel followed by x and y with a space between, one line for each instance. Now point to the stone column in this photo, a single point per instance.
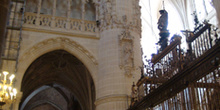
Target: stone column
pixel 216 4
pixel 38 13
pixel 15 105
pixel 4 9
pixel 119 55
pixel 68 14
pixel 53 22
pixel 83 15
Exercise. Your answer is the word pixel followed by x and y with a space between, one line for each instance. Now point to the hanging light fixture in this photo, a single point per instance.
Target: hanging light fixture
pixel 7 92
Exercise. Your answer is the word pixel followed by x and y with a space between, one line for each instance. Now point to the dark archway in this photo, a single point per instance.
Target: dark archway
pixel 60 68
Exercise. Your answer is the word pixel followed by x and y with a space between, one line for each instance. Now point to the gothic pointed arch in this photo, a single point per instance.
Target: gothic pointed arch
pixel 62 72
pixel 74 48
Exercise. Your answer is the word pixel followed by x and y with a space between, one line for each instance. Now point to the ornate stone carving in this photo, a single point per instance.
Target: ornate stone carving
pixel 105 13
pixel 126 52
pixel 62 42
pixel 136 15
pixel 109 18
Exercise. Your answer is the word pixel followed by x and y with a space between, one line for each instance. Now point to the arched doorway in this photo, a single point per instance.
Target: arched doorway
pixel 57 80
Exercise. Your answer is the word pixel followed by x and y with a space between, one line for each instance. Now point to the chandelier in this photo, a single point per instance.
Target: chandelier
pixel 7 92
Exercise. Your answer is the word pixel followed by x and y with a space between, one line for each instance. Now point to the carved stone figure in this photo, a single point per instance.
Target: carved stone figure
pixel 163 20
pixel 126 45
pixel 124 19
pixel 127 51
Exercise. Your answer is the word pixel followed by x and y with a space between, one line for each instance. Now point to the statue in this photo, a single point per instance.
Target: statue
pixel 162 26
pixel 163 20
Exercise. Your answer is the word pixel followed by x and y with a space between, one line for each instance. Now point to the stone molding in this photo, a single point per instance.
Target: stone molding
pixel 62 41
pixel 112 98
pixel 40 102
pixel 52 44
pixel 62 32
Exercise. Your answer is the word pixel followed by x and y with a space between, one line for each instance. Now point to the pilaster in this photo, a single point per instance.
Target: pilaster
pixel 53 14
pixel 68 14
pixel 38 13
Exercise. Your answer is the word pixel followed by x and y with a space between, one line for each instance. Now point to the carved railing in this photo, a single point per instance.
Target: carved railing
pixel 30 18
pixel 182 80
pixel 168 63
pixel 90 26
pixel 45 20
pixel 200 40
pixel 162 67
pixel 69 24
pixel 76 24
pixel 60 22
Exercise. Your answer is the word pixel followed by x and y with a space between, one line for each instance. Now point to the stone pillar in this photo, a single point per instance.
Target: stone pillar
pixel 4 9
pixel 119 54
pixel 38 12
pixel 68 15
pixel 216 4
pixel 83 15
pixel 53 22
pixel 15 104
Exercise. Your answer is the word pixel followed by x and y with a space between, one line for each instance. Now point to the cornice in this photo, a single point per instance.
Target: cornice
pixel 64 33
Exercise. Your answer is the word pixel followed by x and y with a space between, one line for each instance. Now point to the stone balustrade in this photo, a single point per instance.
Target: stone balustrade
pixel 68 24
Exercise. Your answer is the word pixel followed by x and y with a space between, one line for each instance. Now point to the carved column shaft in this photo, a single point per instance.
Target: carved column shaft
pixel 38 12
pixel 68 14
pixel 54 14
pixel 83 15
pixel 97 19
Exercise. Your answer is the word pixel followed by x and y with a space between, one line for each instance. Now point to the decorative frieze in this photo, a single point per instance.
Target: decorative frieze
pixel 59 22
pixel 109 18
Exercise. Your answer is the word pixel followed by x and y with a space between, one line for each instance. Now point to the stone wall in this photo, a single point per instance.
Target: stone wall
pixel 4 9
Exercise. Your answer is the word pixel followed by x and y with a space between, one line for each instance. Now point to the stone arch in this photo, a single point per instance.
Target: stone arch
pixel 62 68
pixel 52 44
pixel 40 102
pixel 45 102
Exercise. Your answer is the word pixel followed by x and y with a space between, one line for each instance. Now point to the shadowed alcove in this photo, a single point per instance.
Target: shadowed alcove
pixel 58 81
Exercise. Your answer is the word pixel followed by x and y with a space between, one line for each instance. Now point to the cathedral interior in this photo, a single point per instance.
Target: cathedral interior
pixel 110 54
